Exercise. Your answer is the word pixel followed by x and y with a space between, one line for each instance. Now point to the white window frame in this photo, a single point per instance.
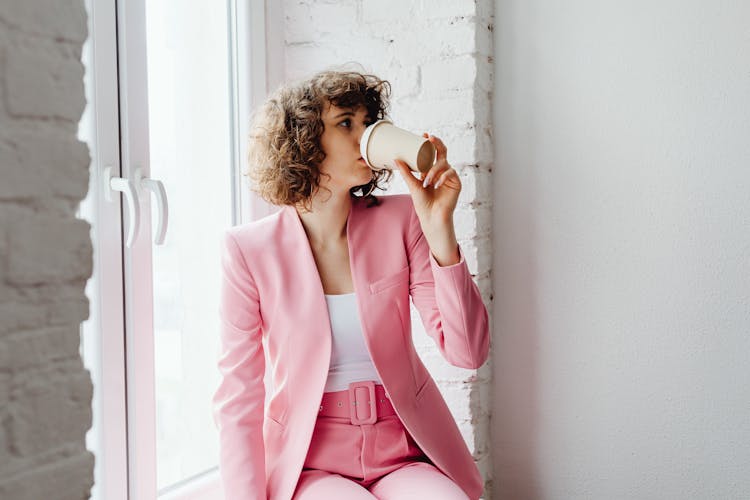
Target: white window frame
pixel 105 346
pixel 126 440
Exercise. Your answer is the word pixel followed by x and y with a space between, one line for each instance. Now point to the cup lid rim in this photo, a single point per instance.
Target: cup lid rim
pixel 366 138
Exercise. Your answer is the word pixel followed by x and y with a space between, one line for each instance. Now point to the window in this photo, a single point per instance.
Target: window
pixel 168 87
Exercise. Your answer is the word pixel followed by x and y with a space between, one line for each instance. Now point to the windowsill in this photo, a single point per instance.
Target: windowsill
pixel 206 487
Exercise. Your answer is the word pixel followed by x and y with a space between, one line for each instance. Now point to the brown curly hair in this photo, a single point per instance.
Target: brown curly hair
pixel 284 149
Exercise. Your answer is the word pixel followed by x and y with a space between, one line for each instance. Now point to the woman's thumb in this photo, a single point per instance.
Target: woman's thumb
pixel 411 181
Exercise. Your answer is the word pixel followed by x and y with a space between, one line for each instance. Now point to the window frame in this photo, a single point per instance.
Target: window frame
pixel 124 430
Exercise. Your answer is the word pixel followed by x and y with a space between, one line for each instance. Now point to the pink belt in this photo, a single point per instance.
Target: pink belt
pixel 362 403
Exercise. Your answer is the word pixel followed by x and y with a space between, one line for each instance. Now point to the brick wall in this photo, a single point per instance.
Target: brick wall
pixel 45 253
pixel 437 55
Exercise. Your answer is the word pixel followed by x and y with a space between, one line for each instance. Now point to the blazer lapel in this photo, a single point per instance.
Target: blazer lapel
pixel 365 261
pixel 310 347
pixel 309 342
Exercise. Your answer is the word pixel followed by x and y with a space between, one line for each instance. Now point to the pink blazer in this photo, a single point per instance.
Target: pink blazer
pixel 272 300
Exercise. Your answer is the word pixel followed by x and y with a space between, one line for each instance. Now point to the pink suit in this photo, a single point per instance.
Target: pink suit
pixel 272 298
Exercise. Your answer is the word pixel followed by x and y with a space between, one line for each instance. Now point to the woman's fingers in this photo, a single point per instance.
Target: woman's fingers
pixel 411 181
pixel 439 173
pixel 441 165
pixel 442 150
pixel 450 173
pixel 431 174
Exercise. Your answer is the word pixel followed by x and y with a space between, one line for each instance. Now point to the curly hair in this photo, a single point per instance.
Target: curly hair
pixel 284 151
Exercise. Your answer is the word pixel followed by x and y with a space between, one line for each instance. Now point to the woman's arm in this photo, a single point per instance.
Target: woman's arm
pixel 442 242
pixel 441 286
pixel 448 301
pixel 238 401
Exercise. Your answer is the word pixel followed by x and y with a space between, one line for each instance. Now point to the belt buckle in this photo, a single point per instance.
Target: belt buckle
pixel 358 406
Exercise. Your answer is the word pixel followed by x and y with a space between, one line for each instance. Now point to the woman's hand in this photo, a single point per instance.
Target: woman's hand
pixel 435 193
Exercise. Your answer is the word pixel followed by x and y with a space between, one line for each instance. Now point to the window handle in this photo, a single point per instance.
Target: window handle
pixel 157 187
pixel 126 187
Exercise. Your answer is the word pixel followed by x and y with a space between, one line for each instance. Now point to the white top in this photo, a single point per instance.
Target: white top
pixel 350 359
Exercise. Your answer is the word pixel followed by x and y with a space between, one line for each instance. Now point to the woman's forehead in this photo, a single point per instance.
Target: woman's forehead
pixel 332 110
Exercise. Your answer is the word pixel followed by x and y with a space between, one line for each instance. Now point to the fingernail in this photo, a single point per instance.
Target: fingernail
pixel 437 184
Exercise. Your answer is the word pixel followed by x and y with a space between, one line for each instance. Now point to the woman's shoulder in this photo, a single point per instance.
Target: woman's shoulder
pixel 393 217
pixel 393 205
pixel 249 234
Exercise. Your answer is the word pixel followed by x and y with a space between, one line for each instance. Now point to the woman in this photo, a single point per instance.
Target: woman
pixel 317 295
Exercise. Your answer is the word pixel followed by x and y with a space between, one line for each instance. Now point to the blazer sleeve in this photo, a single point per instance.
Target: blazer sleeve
pixel 238 401
pixel 448 301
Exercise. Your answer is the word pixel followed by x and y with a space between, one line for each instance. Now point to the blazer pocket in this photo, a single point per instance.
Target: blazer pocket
pixel 275 421
pixel 397 278
pixel 276 411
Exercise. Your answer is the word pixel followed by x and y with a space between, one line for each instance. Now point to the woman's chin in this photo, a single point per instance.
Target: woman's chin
pixel 367 177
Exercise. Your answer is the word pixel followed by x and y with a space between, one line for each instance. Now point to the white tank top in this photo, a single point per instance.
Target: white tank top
pixel 350 359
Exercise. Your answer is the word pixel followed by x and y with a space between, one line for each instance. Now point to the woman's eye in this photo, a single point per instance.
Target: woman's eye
pixel 347 123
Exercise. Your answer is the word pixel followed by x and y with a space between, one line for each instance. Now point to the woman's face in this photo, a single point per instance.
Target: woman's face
pixel 343 128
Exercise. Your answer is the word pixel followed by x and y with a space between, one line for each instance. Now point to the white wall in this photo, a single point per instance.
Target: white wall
pixel 621 250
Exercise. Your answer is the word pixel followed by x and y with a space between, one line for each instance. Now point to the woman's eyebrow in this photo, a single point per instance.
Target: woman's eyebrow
pixel 345 113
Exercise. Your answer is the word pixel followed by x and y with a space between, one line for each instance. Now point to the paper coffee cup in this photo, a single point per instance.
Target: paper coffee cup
pixel 382 142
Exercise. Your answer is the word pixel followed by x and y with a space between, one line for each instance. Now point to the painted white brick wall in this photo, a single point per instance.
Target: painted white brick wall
pixel 45 253
pixel 437 54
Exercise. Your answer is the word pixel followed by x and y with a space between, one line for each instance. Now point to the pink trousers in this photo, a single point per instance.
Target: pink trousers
pixel 369 460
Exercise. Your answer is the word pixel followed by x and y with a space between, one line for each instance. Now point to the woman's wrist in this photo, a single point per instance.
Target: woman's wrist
pixel 443 244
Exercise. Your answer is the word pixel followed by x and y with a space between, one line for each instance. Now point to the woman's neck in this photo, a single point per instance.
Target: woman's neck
pixel 325 225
